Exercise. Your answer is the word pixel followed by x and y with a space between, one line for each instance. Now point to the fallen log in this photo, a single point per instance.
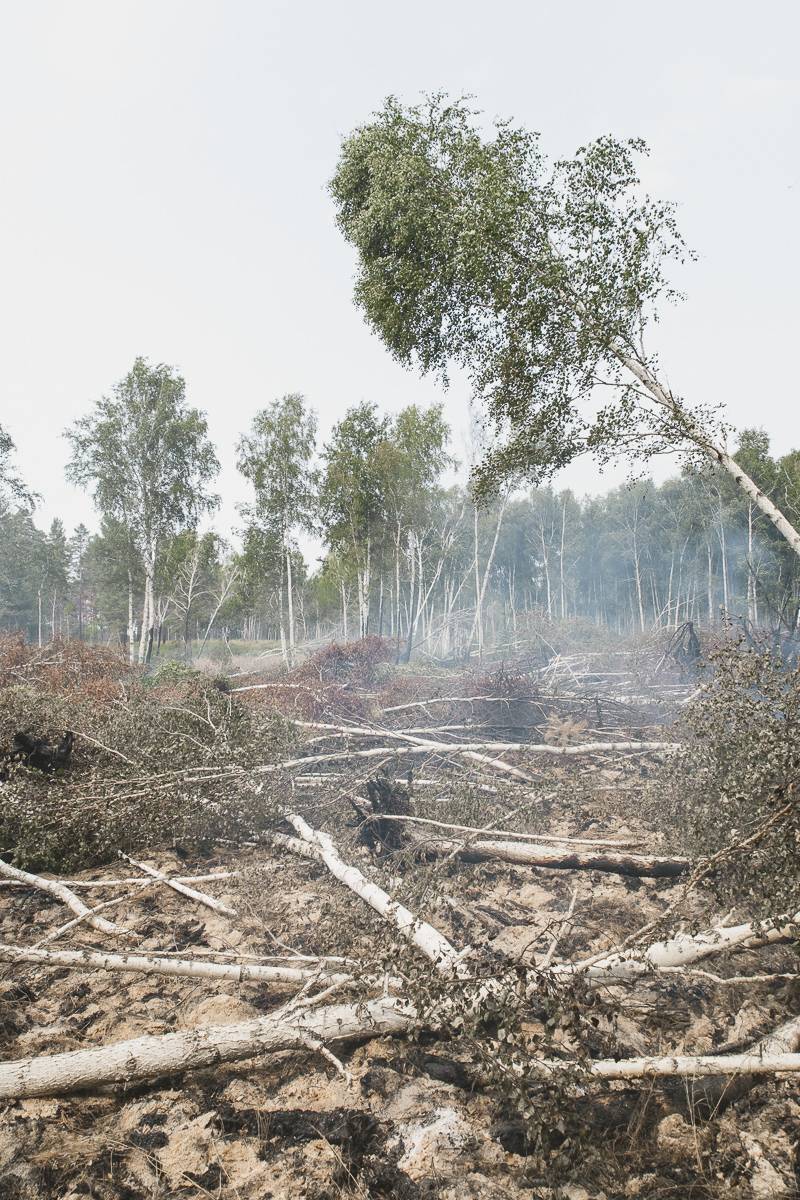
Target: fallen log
pixel 527 855
pixel 460 700
pixel 507 833
pixel 61 892
pixel 148 1057
pixel 474 750
pixel 683 950
pixel 727 1076
pixel 694 1066
pixel 181 888
pixel 89 884
pixel 433 944
pixel 184 968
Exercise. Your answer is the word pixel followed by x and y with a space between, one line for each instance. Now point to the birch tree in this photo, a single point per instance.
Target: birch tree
pixel 354 499
pixel 77 547
pixel 275 457
pixel 538 279
pixel 192 566
pixel 410 462
pixel 147 457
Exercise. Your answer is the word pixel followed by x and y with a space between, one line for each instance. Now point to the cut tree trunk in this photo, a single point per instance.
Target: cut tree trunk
pixel 683 950
pixel 527 855
pixel 82 960
pixel 148 1057
pixel 62 893
pixel 430 941
pixel 190 893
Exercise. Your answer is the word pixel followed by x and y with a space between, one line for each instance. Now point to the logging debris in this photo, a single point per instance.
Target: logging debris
pixel 262 1042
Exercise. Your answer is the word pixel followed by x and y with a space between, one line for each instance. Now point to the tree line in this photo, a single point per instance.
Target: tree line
pixel 539 280
pixel 407 555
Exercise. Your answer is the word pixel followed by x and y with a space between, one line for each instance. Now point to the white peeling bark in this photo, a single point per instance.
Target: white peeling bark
pixel 684 950
pixel 688 1066
pixel 62 893
pixel 180 967
pixel 148 1057
pixel 664 398
pixel 433 944
pixel 773 1054
pixel 190 893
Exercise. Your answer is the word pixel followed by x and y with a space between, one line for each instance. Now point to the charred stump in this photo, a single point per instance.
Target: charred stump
pixel 37 752
pixel 385 798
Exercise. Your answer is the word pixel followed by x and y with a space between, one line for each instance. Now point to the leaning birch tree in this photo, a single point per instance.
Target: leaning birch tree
pixel 149 461
pixel 538 279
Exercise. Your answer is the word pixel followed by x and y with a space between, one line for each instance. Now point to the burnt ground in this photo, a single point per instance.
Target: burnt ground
pixel 421 1117
pixel 414 1123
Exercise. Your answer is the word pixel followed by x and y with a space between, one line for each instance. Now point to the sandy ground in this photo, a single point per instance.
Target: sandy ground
pixel 410 1125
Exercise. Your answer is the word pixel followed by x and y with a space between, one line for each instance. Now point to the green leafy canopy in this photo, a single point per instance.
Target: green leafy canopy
pixel 534 277
pixel 147 456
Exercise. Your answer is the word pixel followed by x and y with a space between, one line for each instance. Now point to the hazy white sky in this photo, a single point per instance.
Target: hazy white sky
pixel 163 193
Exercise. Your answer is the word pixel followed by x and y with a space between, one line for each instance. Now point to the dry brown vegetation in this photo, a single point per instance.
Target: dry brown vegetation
pixel 190 775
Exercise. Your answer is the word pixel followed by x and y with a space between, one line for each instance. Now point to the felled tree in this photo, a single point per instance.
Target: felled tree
pixel 539 279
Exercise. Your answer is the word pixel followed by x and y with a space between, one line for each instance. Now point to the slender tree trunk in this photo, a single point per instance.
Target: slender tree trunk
pixel 478 623
pixel 397 598
pixel 638 577
pixel 131 631
pixel 290 600
pixel 664 398
pixel 561 558
pixel 80 608
pixel 478 615
pixel 148 610
pixel 412 610
pixel 546 562
pixel 723 553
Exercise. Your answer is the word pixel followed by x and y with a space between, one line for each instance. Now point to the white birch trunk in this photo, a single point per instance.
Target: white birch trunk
pixel 181 968
pixel 148 1057
pixel 290 599
pixel 684 950
pixel 664 398
pixel 478 623
pixel 54 888
pixel 433 944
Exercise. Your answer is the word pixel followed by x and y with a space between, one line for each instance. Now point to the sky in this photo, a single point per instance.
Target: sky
pixel 163 193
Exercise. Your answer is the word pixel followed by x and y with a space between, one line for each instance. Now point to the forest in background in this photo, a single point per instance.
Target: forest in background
pixel 405 555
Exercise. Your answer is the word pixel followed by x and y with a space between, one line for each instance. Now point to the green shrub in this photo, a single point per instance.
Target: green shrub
pixel 731 794
pixel 168 759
